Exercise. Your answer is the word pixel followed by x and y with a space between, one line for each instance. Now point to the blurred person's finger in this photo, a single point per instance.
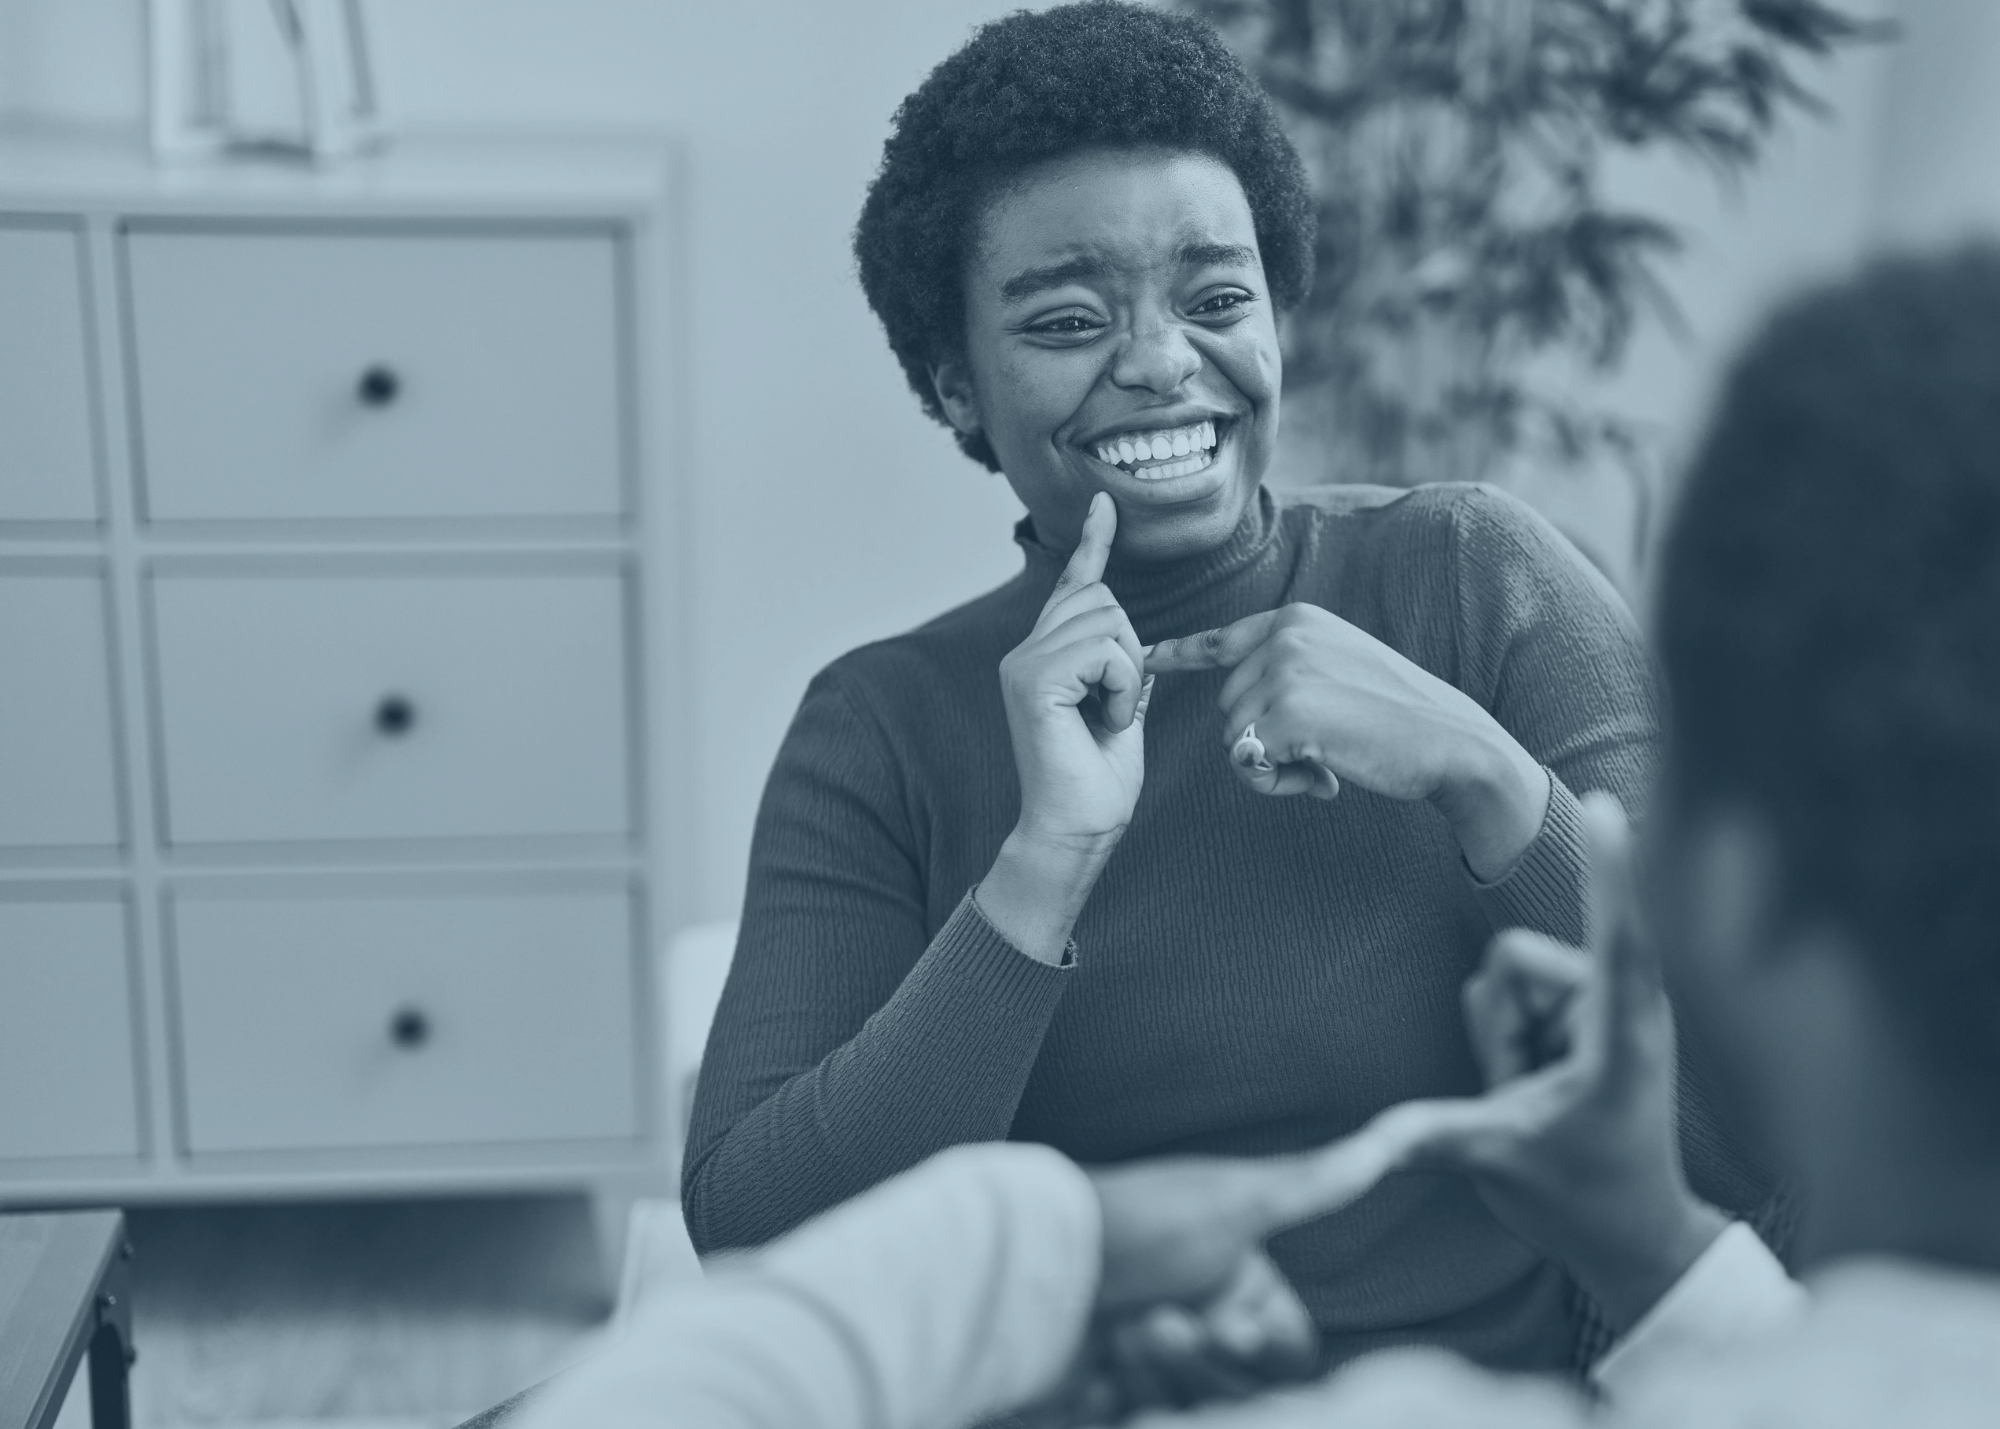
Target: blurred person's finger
pixel 1259 1321
pixel 1628 961
pixel 1518 1004
pixel 1187 1362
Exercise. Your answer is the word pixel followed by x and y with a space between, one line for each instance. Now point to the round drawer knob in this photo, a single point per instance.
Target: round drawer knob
pixel 409 1028
pixel 395 715
pixel 378 386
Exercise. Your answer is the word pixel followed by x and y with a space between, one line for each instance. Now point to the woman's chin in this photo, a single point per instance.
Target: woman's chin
pixel 1161 526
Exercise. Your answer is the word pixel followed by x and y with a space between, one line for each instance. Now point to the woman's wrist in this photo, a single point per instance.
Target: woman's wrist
pixel 1037 887
pixel 1495 803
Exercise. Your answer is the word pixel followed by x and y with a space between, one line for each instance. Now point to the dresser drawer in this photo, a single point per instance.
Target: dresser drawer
pixel 47 452
pixel 421 1020
pixel 66 1030
pixel 372 702
pixel 302 376
pixel 58 770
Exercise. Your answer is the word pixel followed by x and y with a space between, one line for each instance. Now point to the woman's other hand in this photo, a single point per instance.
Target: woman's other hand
pixel 1076 708
pixel 1330 703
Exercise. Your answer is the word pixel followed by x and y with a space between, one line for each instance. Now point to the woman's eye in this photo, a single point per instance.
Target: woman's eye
pixel 1067 325
pixel 1217 304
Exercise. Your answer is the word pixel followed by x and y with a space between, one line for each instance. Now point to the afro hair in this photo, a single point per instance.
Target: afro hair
pixel 1830 629
pixel 1037 86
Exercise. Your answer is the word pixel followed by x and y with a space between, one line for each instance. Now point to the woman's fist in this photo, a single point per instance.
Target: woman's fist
pixel 1312 701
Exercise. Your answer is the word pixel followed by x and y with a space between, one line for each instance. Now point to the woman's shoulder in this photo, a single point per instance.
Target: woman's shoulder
pixel 1387 513
pixel 1470 530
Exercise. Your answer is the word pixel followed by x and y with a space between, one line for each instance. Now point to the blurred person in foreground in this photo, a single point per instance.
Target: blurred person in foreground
pixel 1003 885
pixel 1821 879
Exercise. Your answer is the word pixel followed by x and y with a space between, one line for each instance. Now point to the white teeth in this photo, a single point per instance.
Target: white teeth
pixel 1174 468
pixel 1178 446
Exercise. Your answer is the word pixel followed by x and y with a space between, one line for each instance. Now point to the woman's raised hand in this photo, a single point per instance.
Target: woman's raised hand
pixel 1075 701
pixel 1326 702
pixel 1076 709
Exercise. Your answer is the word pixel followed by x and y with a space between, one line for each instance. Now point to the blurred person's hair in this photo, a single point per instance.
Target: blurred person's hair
pixel 1830 627
pixel 1034 87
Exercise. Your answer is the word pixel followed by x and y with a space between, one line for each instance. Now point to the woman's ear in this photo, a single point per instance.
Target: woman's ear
pixel 951 379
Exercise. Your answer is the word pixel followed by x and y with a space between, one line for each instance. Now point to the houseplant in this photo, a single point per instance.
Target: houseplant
pixel 1469 264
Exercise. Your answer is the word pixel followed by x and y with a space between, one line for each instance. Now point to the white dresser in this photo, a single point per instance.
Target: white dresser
pixel 338 729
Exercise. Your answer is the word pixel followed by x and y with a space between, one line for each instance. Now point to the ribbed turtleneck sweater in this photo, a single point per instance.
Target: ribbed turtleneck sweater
pixel 1251 974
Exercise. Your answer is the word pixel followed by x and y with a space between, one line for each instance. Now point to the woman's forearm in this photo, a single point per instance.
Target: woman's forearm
pixel 944 1061
pixel 1037 887
pixel 1494 800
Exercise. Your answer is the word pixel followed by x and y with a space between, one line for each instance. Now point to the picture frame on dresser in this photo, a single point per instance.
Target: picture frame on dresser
pixel 339 555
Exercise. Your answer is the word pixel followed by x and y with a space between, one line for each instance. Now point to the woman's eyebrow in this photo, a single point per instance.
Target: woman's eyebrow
pixel 1030 281
pixel 1217 255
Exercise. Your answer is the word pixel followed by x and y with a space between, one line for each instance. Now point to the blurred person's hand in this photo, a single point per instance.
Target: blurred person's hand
pixel 1312 701
pixel 1251 1334
pixel 1076 708
pixel 1189 1307
pixel 1573 1148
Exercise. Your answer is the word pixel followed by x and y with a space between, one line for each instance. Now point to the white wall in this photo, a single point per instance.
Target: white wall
pixel 1939 175
pixel 828 510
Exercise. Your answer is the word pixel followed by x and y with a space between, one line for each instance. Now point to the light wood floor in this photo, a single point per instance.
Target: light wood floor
pixel 396 1315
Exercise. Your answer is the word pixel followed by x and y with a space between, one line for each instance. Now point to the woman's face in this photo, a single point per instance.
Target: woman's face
pixel 1115 305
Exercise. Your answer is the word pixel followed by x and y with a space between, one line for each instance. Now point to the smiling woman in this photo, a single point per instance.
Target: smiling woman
pixel 1118 320
pixel 1027 871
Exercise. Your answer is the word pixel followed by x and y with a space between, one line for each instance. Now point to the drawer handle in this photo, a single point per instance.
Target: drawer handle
pixel 395 716
pixel 378 386
pixel 409 1028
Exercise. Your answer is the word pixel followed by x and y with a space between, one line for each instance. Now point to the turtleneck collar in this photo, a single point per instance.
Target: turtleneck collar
pixel 1200 589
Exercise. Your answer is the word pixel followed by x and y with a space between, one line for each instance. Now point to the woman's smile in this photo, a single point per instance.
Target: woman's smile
pixel 1162 462
pixel 1162 452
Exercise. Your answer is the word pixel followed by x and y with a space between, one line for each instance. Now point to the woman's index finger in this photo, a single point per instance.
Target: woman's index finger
pixel 1093 548
pixel 1222 648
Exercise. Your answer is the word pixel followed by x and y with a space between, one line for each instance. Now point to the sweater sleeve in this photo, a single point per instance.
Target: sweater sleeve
pixel 849 1043
pixel 955 1291
pixel 1546 644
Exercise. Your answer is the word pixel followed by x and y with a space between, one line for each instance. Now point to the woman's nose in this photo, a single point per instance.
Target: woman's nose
pixel 1157 357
